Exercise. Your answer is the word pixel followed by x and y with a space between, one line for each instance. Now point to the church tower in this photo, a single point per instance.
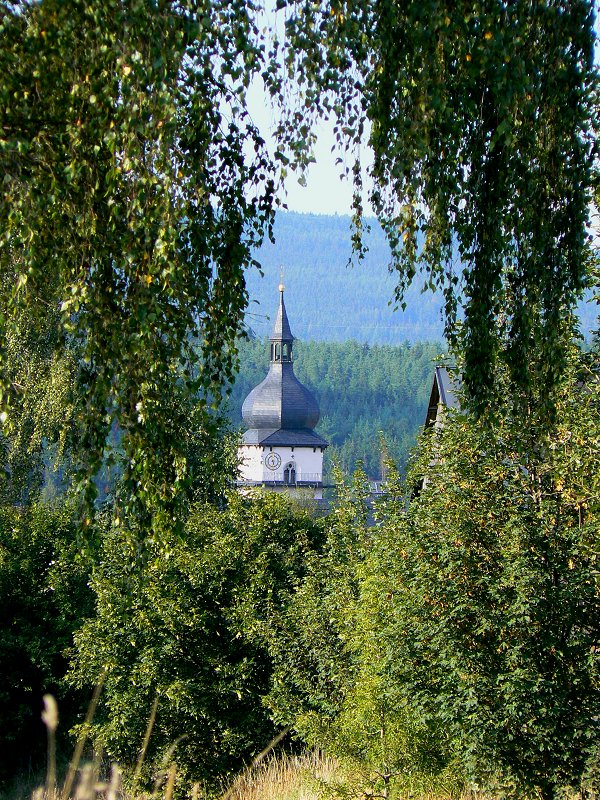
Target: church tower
pixel 280 449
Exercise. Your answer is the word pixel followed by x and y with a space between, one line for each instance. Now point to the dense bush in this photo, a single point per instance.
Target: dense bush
pixel 183 622
pixel 457 637
pixel 44 597
pixel 332 659
pixel 496 625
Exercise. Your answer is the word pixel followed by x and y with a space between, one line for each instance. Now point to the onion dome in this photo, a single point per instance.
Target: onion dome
pixel 281 401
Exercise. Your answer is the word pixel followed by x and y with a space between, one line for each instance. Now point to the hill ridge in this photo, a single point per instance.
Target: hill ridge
pixel 329 301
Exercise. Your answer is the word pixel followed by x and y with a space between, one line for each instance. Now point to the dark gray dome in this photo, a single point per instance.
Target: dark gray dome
pixel 280 401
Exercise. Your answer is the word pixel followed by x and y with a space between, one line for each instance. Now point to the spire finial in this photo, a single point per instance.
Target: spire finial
pixel 281 328
pixel 281 284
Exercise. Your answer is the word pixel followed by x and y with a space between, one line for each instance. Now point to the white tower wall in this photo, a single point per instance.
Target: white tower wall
pixel 258 465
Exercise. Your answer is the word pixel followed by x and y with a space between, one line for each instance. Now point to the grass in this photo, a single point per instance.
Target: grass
pixel 309 776
pixel 268 778
pixel 272 776
pixel 285 777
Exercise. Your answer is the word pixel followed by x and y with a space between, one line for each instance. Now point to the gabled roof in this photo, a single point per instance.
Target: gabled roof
pixel 443 392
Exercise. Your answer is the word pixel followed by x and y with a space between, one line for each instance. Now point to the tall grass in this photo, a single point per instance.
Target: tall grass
pixel 285 777
pixel 268 777
pixel 309 776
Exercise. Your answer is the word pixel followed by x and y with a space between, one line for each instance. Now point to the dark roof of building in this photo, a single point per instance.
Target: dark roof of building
pixel 280 401
pixel 281 329
pixel 284 438
pixel 443 391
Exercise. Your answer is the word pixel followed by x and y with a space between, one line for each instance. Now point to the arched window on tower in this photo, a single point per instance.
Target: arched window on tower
pixel 289 474
pixel 277 352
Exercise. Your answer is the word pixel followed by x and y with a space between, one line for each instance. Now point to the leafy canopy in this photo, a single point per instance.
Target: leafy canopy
pixel 136 184
pixel 480 117
pixel 131 206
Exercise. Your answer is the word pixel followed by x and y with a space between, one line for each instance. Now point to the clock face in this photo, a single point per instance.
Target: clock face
pixel 273 460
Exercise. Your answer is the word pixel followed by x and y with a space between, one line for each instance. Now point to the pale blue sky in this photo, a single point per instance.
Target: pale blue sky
pixel 325 191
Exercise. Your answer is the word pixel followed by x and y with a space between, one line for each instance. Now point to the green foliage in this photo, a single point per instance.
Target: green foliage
pixel 185 624
pixel 129 204
pixel 361 390
pixel 44 597
pixel 38 436
pixel 332 674
pixel 136 186
pixel 376 727
pixel 495 626
pixel 482 116
pixel 311 667
pixel 136 190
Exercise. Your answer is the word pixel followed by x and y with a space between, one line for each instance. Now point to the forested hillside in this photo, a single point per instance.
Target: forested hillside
pixel 329 301
pixel 362 390
pixel 326 298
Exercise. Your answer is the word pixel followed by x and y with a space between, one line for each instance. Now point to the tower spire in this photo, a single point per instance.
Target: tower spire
pixel 281 448
pixel 281 336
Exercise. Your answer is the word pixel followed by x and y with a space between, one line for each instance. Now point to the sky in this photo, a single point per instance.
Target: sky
pixel 325 191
